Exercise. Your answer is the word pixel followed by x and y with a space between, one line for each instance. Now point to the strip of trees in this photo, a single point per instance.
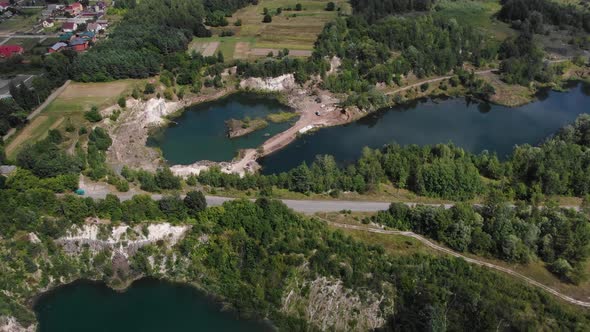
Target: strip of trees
pixel 532 14
pixel 559 166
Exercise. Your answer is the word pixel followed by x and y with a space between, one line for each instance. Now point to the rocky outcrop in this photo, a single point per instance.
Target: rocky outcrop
pixel 281 83
pixel 10 324
pixel 329 305
pixel 122 240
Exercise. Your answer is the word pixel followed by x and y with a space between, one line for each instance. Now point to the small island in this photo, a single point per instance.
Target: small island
pixel 237 128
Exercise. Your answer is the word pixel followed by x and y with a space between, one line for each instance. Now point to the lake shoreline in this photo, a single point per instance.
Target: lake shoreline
pixel 302 101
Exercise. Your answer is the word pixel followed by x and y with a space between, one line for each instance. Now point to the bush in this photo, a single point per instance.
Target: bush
pixel 93 115
pixel 238 23
pixel 267 19
pixel 168 94
pixel 227 33
pixel 331 6
pixel 298 7
pixel 122 102
pixel 149 89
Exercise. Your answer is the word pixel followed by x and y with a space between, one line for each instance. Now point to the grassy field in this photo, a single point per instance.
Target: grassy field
pixel 70 106
pixel 21 23
pixel 27 43
pixel 295 30
pixel 80 97
pixel 478 13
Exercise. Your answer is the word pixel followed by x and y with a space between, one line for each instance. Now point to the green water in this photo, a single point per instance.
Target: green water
pixel 148 305
pixel 200 133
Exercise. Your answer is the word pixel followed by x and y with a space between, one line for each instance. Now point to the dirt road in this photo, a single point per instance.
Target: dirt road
pixel 437 79
pixel 41 107
pixel 447 251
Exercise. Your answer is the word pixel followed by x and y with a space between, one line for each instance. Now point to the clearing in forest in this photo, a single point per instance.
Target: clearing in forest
pixel 291 29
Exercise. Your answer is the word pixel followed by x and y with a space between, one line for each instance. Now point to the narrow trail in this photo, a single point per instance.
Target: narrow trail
pixel 437 247
pixel 39 108
pixel 437 79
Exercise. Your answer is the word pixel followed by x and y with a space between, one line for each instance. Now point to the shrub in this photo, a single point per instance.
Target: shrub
pixel 149 89
pixel 122 102
pixel 267 19
pixel 331 6
pixel 93 115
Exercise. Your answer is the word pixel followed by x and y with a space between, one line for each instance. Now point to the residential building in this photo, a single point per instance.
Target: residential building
pixel 74 9
pixel 48 23
pixel 88 35
pixel 69 27
pixel 57 47
pixel 95 27
pixel 79 44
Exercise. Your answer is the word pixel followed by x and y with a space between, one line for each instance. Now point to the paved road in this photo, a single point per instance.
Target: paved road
pixel 467 259
pixel 302 206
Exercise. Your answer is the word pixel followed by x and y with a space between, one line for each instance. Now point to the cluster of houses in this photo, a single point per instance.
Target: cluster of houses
pixel 79 25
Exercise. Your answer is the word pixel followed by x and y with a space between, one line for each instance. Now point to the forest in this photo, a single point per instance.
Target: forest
pixel 535 13
pixel 253 250
pixel 560 238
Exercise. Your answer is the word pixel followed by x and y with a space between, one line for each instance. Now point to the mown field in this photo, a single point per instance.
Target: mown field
pixel 294 30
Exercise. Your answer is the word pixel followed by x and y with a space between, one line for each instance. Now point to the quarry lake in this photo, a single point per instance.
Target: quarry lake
pixel 200 132
pixel 148 305
pixel 474 127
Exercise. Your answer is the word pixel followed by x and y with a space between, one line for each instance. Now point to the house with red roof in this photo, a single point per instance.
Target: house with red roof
pixel 6 51
pixel 69 27
pixel 79 45
pixel 74 9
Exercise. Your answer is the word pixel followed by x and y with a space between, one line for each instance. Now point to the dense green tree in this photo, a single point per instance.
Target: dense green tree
pixel 195 202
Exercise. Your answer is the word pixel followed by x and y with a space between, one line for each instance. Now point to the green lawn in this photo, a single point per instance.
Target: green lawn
pixel 22 22
pixel 478 13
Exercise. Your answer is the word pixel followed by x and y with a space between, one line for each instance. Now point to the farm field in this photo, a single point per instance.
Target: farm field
pixel 291 29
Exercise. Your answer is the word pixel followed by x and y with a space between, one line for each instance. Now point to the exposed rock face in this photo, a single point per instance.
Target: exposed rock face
pixel 281 83
pixel 123 240
pixel 329 305
pixel 9 324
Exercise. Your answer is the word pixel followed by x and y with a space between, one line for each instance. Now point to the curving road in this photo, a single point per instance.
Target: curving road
pixel 437 247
